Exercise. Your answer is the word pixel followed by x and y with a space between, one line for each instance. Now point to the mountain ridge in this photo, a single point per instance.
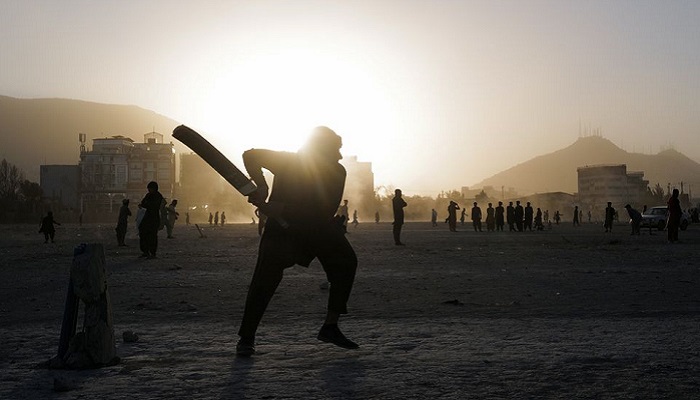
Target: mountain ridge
pixel 557 171
pixel 25 124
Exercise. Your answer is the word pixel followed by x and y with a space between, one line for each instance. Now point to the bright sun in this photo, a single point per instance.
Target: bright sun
pixel 273 101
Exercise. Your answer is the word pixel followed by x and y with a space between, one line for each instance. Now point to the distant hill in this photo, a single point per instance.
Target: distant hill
pixel 45 131
pixel 557 171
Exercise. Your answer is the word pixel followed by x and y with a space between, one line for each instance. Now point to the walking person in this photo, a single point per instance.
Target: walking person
pixel 398 204
pixel 122 222
pixel 308 185
pixel 48 228
pixel 148 228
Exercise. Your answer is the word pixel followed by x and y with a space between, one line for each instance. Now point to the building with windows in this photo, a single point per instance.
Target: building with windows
pixel 117 168
pixel 600 184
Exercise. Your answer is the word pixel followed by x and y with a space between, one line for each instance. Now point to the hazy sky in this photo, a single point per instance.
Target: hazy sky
pixel 436 94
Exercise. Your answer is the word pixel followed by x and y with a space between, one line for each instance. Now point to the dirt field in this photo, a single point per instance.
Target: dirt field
pixel 566 313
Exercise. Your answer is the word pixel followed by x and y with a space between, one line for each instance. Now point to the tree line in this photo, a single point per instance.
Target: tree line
pixel 20 199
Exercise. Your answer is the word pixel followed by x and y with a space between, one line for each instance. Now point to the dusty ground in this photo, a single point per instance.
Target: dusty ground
pixel 566 313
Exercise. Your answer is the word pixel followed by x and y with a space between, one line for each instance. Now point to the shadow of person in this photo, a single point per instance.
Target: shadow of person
pixel 342 378
pixel 239 378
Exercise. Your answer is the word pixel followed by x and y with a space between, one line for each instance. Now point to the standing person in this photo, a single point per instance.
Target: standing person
pixel 557 217
pixel 187 218
pixel 148 228
pixel 172 215
pixel 48 228
pixel 216 218
pixel 635 219
pixel 463 216
pixel 510 216
pixel 674 216
pixel 376 217
pixel 307 188
pixel 343 213
pixel 452 215
pixel 527 224
pixel 122 222
pixel 609 216
pixel 433 217
pixel 223 218
pixel 538 220
pixel 519 215
pixel 490 218
pixel 500 219
pixel 398 204
pixel 476 217
pixel 211 218
pixel 576 217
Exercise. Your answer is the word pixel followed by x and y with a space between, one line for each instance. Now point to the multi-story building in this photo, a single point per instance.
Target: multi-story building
pixel 600 184
pixel 117 168
pixel 359 186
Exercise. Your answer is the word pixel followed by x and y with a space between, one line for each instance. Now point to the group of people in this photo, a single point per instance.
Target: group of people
pixel 154 214
pixel 214 218
pixel 302 224
pixel 517 217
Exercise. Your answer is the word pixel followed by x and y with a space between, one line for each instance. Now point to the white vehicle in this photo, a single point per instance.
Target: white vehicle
pixel 657 217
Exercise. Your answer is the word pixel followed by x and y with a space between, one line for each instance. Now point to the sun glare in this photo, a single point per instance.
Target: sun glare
pixel 274 100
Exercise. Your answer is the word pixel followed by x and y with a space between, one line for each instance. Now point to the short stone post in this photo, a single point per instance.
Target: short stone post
pixel 95 345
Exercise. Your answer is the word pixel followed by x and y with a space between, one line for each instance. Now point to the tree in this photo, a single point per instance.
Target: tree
pixel 11 178
pixel 30 194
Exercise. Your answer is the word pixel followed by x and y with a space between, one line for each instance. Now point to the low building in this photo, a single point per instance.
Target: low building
pixel 359 187
pixel 600 184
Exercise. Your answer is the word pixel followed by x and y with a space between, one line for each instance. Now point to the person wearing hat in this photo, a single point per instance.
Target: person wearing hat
pixel 148 228
pixel 122 220
pixel 301 226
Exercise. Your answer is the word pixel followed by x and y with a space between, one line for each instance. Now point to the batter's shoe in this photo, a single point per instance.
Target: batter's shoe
pixel 332 334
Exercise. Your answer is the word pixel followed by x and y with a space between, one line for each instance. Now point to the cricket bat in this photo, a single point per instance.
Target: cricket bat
pixel 190 138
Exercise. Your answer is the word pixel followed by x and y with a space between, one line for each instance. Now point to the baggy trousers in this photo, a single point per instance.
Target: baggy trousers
pixel 281 250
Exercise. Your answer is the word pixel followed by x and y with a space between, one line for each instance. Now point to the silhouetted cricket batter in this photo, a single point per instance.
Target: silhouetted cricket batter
pixel 307 189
